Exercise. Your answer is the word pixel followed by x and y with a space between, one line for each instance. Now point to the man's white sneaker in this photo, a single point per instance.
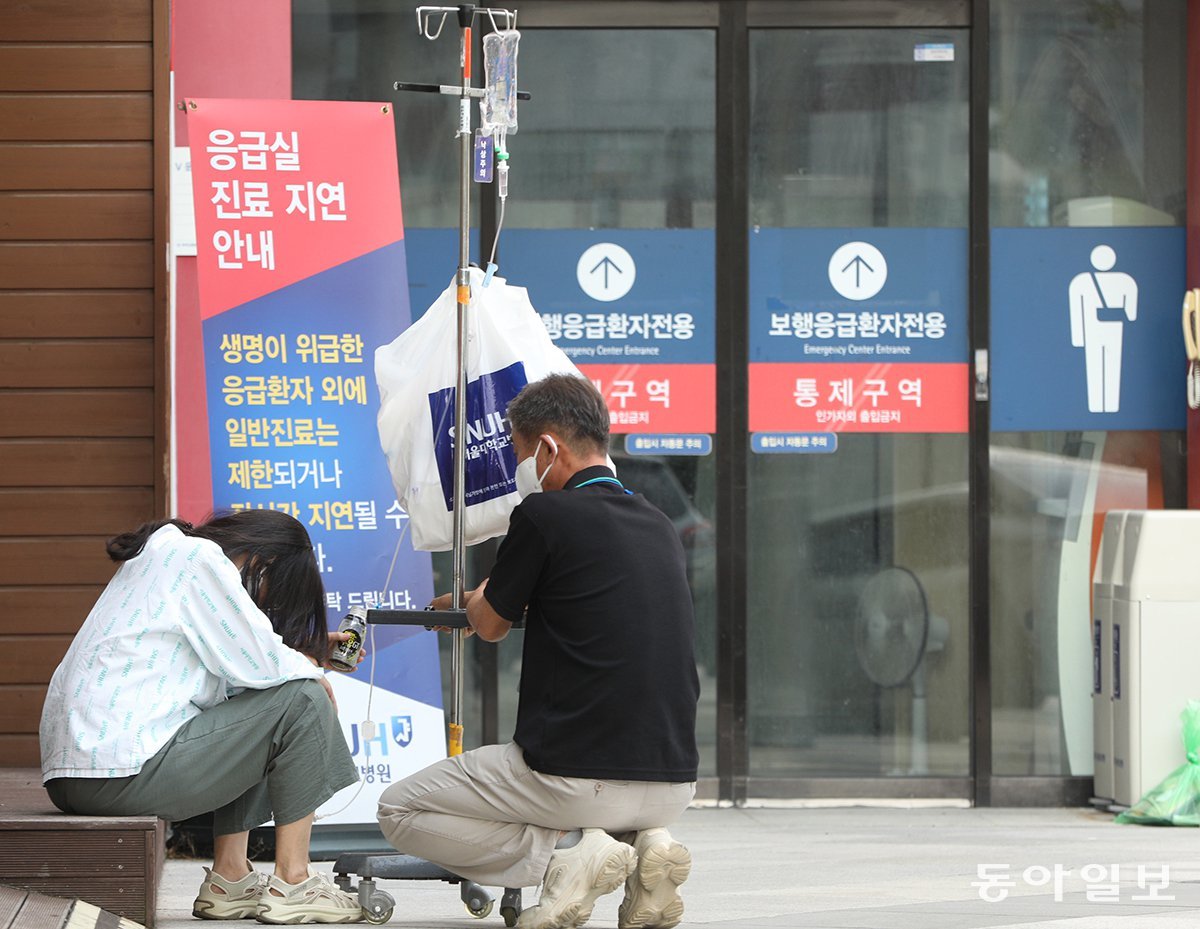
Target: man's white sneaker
pixel 315 900
pixel 222 899
pixel 652 898
pixel 576 877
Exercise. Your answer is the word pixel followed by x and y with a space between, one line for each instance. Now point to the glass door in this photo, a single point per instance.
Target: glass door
pixel 610 227
pixel 858 520
pixel 1088 409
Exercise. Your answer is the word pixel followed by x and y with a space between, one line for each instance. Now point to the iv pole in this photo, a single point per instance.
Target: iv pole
pixel 377 904
pixel 454 618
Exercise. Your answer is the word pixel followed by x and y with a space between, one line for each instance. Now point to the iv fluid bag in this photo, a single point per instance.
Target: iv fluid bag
pixel 498 106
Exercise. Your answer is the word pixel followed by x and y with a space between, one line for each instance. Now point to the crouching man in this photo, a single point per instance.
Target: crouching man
pixel 604 755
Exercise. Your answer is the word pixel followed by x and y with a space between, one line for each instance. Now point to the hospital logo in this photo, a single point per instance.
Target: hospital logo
pixel 402 730
pixel 374 741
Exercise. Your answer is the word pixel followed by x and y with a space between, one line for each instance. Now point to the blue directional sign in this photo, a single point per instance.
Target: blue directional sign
pixel 1085 329
pixel 858 295
pixel 619 296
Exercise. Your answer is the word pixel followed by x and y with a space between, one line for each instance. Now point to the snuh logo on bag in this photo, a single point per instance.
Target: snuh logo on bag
pixel 507 347
pixel 490 456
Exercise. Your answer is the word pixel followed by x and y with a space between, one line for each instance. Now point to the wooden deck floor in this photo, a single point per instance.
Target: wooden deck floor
pixel 111 862
pixel 20 909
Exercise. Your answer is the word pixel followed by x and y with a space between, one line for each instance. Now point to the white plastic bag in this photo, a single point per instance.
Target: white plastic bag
pixel 507 347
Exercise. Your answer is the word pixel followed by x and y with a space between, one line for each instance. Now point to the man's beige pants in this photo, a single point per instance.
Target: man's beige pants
pixel 487 816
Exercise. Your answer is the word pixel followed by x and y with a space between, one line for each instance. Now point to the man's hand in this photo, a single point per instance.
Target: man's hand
pixel 446 602
pixel 481 618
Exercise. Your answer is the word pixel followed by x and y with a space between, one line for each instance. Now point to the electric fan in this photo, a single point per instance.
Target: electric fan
pixel 893 632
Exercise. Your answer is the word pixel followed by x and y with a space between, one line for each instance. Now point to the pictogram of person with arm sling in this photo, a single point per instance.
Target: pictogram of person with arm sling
pixel 1101 302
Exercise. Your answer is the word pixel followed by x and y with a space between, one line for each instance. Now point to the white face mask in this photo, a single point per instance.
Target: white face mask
pixel 528 481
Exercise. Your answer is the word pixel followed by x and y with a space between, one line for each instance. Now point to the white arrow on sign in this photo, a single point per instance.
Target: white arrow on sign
pixel 606 272
pixel 858 270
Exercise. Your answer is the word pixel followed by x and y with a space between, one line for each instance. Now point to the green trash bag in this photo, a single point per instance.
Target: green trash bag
pixel 1176 801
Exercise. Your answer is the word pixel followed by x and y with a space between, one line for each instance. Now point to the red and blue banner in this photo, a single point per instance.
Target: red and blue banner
pixel 857 330
pixel 301 268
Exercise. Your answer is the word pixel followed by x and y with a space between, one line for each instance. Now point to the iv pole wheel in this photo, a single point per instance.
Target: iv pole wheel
pixel 510 906
pixel 478 901
pixel 379 908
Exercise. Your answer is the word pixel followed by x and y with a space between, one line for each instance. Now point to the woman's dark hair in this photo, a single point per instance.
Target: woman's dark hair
pixel 566 404
pixel 279 571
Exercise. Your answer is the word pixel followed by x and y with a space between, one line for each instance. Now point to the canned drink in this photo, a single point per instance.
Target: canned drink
pixel 344 656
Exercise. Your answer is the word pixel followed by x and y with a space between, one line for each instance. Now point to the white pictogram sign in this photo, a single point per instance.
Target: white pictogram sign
pixel 606 272
pixel 857 270
pixel 1101 301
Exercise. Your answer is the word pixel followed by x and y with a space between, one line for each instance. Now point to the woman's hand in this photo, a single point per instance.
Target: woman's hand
pixel 337 637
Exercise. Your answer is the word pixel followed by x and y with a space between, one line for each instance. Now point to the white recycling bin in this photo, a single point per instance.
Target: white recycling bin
pixel 1155 641
pixel 1109 575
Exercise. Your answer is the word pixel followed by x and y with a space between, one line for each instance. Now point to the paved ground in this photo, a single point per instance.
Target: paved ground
pixel 874 869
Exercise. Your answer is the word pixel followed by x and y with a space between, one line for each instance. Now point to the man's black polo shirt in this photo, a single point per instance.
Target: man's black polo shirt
pixel 608 679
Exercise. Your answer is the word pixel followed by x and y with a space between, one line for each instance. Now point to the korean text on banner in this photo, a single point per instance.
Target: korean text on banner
pixel 301 266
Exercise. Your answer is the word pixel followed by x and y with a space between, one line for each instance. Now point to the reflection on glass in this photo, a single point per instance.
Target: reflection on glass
pixel 835 680
pixel 1087 116
pixel 620 133
pixel 1087 112
pixel 848 130
pixel 356 50
pixel 598 151
pixel 858 561
pixel 1050 492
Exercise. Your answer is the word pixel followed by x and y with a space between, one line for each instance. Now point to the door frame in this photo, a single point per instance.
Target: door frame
pixel 732 20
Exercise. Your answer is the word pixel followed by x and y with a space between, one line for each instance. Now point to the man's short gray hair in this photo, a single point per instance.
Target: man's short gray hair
pixel 564 404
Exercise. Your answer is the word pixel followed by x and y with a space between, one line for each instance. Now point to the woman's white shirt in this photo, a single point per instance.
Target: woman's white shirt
pixel 173 634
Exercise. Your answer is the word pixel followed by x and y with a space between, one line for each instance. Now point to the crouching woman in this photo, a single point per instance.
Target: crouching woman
pixel 195 685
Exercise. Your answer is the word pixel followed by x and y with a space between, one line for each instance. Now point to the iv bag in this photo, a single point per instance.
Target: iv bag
pixel 498 105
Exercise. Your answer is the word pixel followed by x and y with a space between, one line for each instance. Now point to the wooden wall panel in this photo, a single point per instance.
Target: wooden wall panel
pixel 72 21
pixel 77 363
pixel 76 166
pixel 31 659
pixel 20 751
pixel 75 264
pixel 60 314
pixel 76 462
pixel 74 67
pixel 91 511
pixel 59 609
pixel 84 413
pixel 21 707
pixel 57 216
pixel 66 117
pixel 84 118
pixel 49 561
